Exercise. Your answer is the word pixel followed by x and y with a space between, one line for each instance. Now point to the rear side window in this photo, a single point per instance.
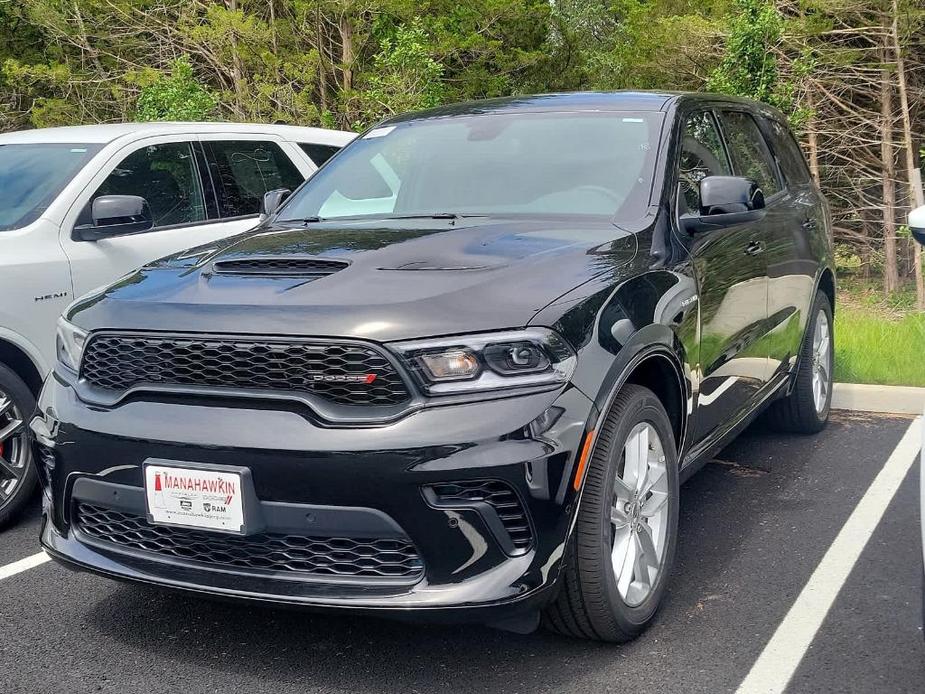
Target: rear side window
pixel 702 155
pixel 243 171
pixel 166 176
pixel 319 153
pixel 788 153
pixel 750 155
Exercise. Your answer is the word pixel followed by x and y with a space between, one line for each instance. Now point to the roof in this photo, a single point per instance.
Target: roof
pixel 572 101
pixel 565 101
pixel 105 133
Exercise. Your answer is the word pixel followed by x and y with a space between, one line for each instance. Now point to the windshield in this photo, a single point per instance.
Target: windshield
pixel 580 163
pixel 31 175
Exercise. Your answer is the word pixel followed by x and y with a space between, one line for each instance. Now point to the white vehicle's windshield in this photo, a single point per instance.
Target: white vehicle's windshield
pixel 31 175
pixel 571 163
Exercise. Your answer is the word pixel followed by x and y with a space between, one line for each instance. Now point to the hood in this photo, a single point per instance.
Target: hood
pixel 382 281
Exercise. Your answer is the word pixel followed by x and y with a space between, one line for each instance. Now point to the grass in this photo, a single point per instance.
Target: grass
pixel 879 341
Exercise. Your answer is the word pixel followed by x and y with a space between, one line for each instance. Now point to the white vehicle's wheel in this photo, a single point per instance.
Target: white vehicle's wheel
pixel 17 473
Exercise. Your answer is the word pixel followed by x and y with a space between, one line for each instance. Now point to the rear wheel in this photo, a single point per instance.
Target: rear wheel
pixel 17 473
pixel 806 409
pixel 620 553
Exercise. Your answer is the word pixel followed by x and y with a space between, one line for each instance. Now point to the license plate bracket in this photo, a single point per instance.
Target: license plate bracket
pixel 201 496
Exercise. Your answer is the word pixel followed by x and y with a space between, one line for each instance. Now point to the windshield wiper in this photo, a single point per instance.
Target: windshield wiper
pixel 432 215
pixel 303 220
pixel 375 217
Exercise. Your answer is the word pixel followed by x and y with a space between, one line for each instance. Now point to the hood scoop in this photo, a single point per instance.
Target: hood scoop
pixel 279 266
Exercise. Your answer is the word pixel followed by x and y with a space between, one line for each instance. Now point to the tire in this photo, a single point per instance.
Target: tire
pixel 801 412
pixel 591 604
pixel 18 477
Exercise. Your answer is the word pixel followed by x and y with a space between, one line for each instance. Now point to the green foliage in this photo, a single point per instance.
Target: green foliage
pixel 750 64
pixel 404 77
pixel 864 338
pixel 177 96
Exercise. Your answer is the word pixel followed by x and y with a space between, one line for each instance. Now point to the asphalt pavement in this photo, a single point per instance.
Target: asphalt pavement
pixel 754 526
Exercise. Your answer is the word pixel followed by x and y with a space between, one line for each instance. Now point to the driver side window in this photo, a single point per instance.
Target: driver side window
pixel 702 155
pixel 166 176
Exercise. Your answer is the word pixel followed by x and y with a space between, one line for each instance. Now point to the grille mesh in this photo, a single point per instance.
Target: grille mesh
pixel 332 371
pixel 279 266
pixel 497 494
pixel 298 554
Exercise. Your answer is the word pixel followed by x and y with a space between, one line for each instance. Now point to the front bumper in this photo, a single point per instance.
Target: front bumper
pixel 347 483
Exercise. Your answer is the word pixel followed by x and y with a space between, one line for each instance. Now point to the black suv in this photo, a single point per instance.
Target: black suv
pixel 459 374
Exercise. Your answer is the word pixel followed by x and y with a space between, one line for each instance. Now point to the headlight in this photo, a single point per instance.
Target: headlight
pixel 533 357
pixel 69 344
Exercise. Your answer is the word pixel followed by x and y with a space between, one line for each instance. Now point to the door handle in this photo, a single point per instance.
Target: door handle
pixel 809 224
pixel 754 248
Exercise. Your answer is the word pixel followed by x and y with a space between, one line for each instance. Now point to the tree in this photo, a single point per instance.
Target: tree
pixel 750 64
pixel 177 96
pixel 404 77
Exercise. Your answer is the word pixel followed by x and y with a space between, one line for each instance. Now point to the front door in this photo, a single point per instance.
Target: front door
pixel 731 273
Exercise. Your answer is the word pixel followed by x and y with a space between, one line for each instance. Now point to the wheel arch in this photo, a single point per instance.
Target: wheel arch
pixel 25 365
pixel 660 374
pixel 826 284
pixel 656 365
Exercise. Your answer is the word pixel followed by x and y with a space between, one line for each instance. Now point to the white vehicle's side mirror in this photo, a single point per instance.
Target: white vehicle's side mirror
pixel 917 224
pixel 272 199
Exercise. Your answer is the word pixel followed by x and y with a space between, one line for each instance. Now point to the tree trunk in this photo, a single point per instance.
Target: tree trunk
pixel 236 69
pixel 890 269
pixel 346 52
pixel 273 28
pixel 865 258
pixel 322 72
pixel 915 190
pixel 812 137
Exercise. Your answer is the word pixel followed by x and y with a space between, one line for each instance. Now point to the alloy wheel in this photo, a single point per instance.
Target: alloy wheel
pixel 639 515
pixel 822 361
pixel 14 448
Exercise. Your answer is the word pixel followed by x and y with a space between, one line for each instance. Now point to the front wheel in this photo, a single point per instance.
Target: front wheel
pixel 621 550
pixel 806 409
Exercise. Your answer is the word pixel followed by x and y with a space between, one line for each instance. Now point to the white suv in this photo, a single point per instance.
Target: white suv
pixel 82 206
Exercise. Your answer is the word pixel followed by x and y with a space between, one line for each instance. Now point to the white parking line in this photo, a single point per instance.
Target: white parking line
pixel 782 655
pixel 23 565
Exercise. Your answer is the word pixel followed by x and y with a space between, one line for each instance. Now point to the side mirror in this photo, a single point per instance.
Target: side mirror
pixel 272 199
pixel 728 194
pixel 115 215
pixel 726 201
pixel 917 224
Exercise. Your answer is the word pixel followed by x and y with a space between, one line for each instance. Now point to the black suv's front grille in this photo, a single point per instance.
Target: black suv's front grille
pixel 295 554
pixel 342 373
pixel 497 494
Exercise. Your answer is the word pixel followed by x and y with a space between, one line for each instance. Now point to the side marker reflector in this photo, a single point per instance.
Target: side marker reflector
pixel 583 460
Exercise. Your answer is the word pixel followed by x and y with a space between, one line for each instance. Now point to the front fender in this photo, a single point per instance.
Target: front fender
pixel 616 327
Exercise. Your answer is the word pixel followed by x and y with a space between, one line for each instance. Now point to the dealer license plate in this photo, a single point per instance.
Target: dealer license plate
pixel 194 498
